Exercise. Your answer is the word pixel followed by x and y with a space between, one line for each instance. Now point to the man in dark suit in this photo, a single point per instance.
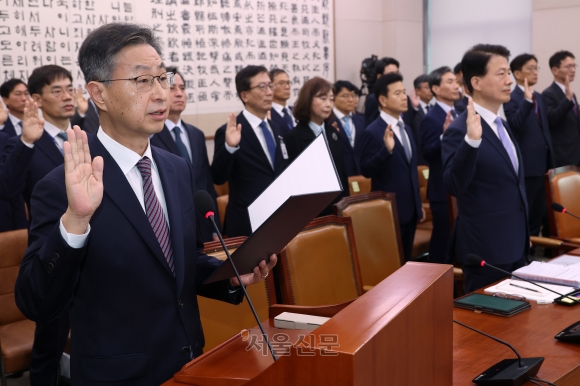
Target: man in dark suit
pixel 483 169
pixel 187 141
pixel 25 161
pixel 12 212
pixel 251 155
pixel 389 156
pixel 444 86
pixel 350 125
pixel 421 86
pixel 113 239
pixel 562 109
pixel 528 120
pixel 460 104
pixel 372 109
pixel 280 112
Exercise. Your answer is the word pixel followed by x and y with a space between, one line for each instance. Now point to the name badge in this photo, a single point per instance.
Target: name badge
pixel 283 148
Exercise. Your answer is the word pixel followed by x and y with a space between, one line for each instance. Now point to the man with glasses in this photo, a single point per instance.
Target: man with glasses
pixel 187 141
pixel 249 152
pixel 350 125
pixel 281 113
pixel 113 238
pixel 562 110
pixel 528 119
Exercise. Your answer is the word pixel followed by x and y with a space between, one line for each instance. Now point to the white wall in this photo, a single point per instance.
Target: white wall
pixel 457 25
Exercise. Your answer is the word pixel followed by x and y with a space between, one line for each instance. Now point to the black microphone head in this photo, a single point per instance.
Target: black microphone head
pixel 558 208
pixel 203 202
pixel 472 260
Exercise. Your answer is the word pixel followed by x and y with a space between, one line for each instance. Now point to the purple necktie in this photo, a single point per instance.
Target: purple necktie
pixel 503 136
pixel 155 212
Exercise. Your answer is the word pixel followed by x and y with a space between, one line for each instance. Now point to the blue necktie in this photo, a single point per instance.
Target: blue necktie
pixel 20 124
pixel 180 145
pixel 347 129
pixel 404 140
pixel 270 143
pixel 62 135
pixel 288 118
pixel 503 136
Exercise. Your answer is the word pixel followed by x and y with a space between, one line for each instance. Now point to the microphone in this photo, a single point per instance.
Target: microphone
pixel 472 260
pixel 508 372
pixel 559 208
pixel 204 203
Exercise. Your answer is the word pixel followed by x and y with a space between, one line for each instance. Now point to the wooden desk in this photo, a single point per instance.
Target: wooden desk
pixel 530 332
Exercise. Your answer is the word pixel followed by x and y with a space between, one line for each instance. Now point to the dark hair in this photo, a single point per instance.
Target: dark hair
pixel 339 85
pixel 175 70
pixel 45 75
pixel 357 91
pixel 9 86
pixel 420 80
pixel 98 53
pixel 457 68
pixel 558 57
pixel 475 61
pixel 276 71
pixel 382 85
pixel 518 62
pixel 436 75
pixel 313 87
pixel 383 63
pixel 244 78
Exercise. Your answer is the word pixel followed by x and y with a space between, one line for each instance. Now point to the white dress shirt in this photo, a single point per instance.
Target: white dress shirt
pixel 316 129
pixel 445 107
pixel 424 105
pixel 183 135
pixel 396 129
pixel 489 117
pixel 127 160
pixel 341 116
pixel 278 107
pixel 14 121
pixel 254 121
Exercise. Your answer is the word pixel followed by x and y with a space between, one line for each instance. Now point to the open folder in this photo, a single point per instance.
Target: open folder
pixel 291 201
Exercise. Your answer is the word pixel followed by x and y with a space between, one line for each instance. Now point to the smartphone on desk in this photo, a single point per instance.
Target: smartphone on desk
pixel 491 304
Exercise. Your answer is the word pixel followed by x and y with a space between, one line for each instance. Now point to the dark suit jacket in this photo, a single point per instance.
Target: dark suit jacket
pixel 431 129
pixel 90 122
pixel 280 121
pixel 132 321
pixel 12 212
pixel 391 172
pixel 461 104
pixel 247 172
pixel 199 165
pixel 372 110
pixel 564 126
pixel 491 198
pixel 532 133
pixel 8 128
pixel 415 125
pixel 349 154
pixel 302 136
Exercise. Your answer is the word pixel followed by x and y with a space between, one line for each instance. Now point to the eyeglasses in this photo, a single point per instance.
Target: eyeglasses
pixel 282 83
pixel 532 69
pixel 506 296
pixel 570 66
pixel 347 96
pixel 59 91
pixel 144 83
pixel 264 86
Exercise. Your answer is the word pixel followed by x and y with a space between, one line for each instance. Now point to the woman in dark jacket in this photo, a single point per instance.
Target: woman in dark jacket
pixel 313 112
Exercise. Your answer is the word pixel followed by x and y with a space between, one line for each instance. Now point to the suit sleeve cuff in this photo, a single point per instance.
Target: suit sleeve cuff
pixel 28 145
pixel 472 142
pixel 74 241
pixel 232 150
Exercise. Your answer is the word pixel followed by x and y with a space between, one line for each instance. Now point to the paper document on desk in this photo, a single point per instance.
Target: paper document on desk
pixel 568 275
pixel 565 260
pixel 529 291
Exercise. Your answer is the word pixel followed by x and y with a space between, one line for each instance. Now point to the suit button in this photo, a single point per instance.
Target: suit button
pixel 185 351
pixel 50 267
pixel 56 256
pixel 180 304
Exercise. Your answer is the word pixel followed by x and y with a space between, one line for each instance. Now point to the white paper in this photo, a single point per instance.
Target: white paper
pixel 312 172
pixel 542 296
pixel 565 260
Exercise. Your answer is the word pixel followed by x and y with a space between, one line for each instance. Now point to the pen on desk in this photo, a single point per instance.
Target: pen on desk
pixel 526 288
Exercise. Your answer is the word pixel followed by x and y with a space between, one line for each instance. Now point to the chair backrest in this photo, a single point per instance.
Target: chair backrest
pixel 222 320
pixel 423 173
pixel 223 189
pixel 359 185
pixel 563 186
pixel 12 247
pixel 376 229
pixel 320 265
pixel 222 203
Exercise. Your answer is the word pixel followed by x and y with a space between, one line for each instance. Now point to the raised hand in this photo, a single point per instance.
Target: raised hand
pixel 389 139
pixel 528 91
pixel 569 92
pixel 80 101
pixel 233 131
pixel 83 180
pixel 414 99
pixel 448 120
pixel 260 273
pixel 32 124
pixel 473 122
pixel 3 114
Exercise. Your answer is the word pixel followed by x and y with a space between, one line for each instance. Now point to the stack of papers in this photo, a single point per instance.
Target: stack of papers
pixel 568 275
pixel 529 291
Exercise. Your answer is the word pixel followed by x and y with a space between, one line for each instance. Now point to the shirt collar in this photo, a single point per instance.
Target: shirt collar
pixel 123 156
pixel 317 129
pixel 521 87
pixel 340 115
pixel 170 125
pixel 13 119
pixel 278 107
pixel 561 86
pixel 488 116
pixel 445 107
pixel 389 119
pixel 52 129
pixel 423 104
pixel 253 120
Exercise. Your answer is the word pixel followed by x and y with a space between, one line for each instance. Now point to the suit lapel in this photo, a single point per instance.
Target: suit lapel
pixel 250 136
pixel 9 128
pixel 118 189
pixel 278 138
pixel 47 145
pixel 193 145
pixel 165 137
pixel 489 135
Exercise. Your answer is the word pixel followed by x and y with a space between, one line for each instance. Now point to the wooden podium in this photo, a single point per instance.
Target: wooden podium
pixel 398 333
